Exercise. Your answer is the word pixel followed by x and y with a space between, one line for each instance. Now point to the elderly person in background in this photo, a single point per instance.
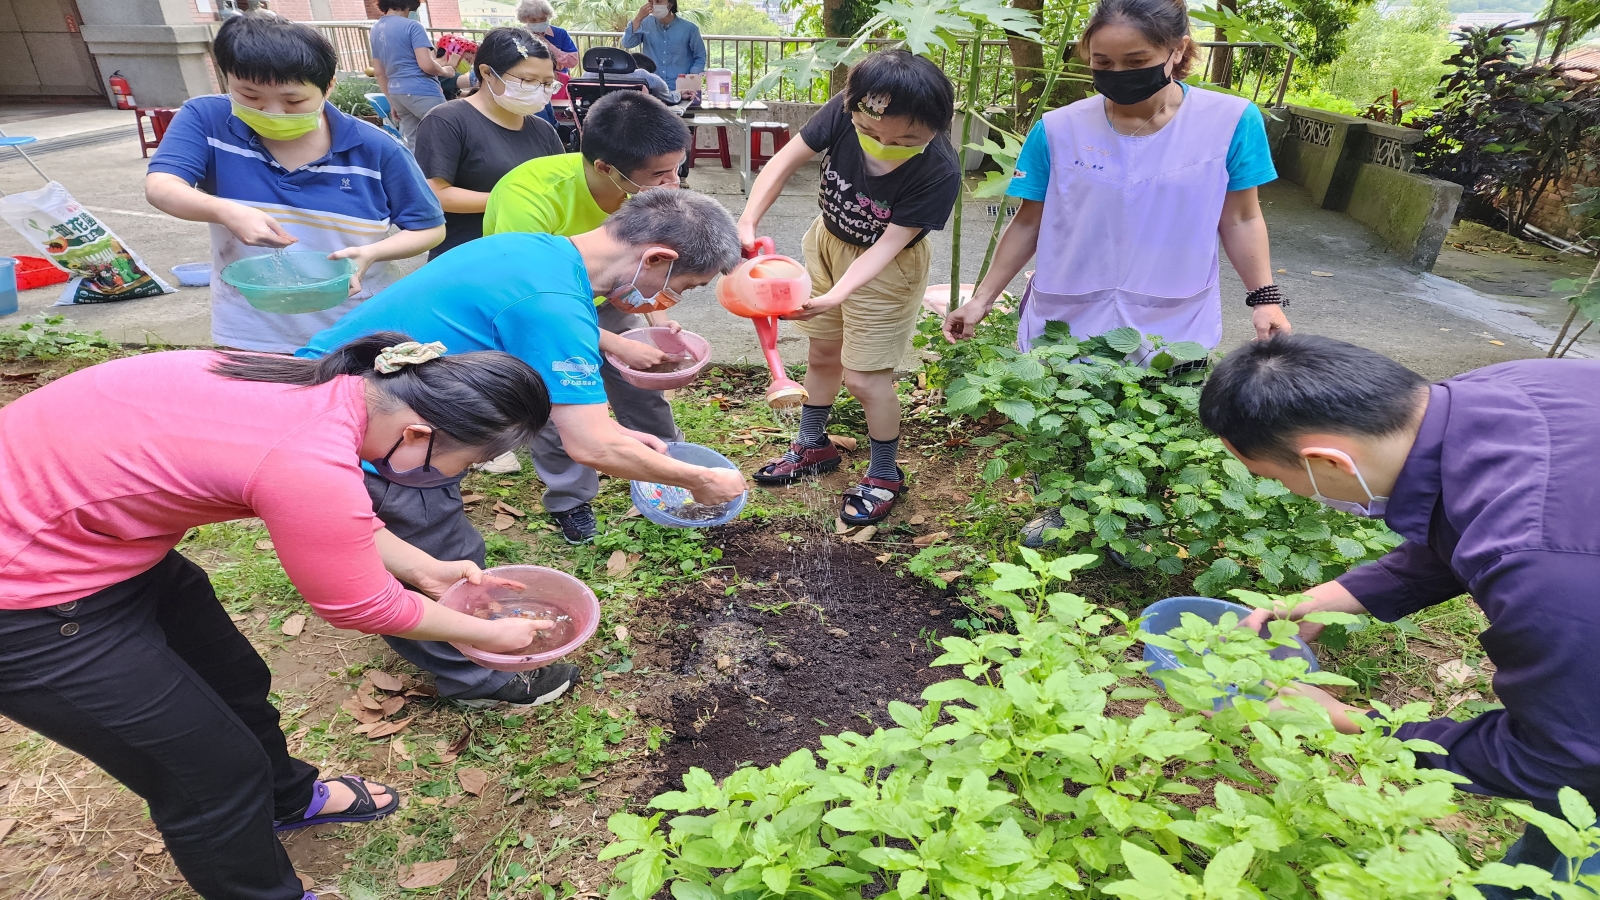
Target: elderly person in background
pixel 535 15
pixel 674 43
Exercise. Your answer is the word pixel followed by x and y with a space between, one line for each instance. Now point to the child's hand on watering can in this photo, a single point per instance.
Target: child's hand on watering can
pixel 363 256
pixel 720 486
pixel 816 306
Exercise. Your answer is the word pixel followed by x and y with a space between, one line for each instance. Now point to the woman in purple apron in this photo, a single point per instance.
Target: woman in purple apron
pixel 1128 192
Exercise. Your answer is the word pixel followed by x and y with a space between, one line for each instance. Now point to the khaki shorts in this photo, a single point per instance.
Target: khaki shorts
pixel 877 321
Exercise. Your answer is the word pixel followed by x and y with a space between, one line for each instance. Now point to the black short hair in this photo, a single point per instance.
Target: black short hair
pixel 628 128
pixel 270 49
pixel 1265 394
pixel 643 61
pixel 405 5
pixel 917 89
pixel 502 48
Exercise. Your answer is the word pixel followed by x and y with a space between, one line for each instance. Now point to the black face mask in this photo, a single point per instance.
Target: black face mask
pixel 1130 86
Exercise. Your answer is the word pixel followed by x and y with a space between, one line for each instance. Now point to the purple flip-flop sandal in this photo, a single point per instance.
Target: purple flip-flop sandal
pixel 364 809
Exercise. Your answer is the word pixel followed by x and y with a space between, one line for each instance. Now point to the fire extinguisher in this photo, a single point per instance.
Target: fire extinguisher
pixel 122 90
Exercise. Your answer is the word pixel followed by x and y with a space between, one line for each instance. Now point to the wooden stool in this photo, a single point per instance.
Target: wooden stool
pixel 160 118
pixel 780 137
pixel 720 151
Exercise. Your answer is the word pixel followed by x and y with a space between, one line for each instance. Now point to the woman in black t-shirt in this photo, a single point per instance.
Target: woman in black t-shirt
pixel 465 146
pixel 889 176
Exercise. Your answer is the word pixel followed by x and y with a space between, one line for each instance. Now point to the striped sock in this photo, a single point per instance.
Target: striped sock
pixel 884 464
pixel 813 429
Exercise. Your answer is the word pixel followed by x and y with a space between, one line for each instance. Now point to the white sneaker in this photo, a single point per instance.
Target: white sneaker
pixel 504 464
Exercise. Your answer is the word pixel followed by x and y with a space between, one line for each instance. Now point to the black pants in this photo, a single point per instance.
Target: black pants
pixel 151 681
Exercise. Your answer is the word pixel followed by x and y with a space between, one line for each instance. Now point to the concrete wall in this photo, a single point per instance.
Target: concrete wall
pixel 44 51
pixel 156 44
pixel 1364 169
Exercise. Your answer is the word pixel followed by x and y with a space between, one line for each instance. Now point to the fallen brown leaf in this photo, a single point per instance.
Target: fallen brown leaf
pixel 263 545
pixel 384 681
pixel 426 874
pixel 364 694
pixel 632 511
pixel 838 632
pixel 917 519
pixel 1457 672
pixel 364 728
pixel 502 506
pixel 5 827
pixel 843 442
pixel 392 705
pixel 473 498
pixel 306 881
pixel 950 576
pixel 516 796
pixel 400 749
pixel 617 565
pixel 622 632
pixel 1322 274
pixel 557 820
pixel 724 663
pixel 152 848
pixel 363 715
pixel 928 540
pixel 864 535
pixel 384 729
pixel 293 625
pixel 1498 343
pixel 839 527
pixel 503 521
pixel 473 781
pixel 884 557
pixel 61 816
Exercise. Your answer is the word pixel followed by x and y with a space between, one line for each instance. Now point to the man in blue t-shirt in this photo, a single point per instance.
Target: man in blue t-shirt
pixel 533 296
pixel 272 164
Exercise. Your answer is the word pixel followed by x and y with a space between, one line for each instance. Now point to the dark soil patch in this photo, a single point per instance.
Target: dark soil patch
pixel 815 638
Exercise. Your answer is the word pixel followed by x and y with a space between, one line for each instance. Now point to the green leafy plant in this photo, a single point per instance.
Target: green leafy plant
pixel 349 96
pixel 1584 296
pixel 1018 781
pixel 51 337
pixel 1119 449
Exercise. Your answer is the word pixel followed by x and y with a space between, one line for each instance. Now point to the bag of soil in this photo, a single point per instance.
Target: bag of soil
pixel 101 265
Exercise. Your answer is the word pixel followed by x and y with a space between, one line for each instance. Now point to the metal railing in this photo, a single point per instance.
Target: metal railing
pixel 751 57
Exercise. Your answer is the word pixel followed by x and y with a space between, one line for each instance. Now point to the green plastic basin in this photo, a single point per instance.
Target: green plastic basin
pixel 300 281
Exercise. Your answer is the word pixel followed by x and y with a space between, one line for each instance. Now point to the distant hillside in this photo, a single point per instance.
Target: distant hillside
pixel 1532 7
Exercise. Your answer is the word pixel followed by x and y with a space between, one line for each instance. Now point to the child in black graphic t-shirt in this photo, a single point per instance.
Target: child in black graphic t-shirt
pixel 889 176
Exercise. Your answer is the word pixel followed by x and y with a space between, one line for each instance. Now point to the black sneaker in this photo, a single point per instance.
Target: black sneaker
pixel 534 688
pixel 1033 533
pixel 578 525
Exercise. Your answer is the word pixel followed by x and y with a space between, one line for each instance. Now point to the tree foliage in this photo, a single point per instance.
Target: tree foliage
pixel 1400 49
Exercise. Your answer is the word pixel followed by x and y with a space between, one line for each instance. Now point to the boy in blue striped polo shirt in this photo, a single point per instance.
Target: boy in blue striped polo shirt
pixel 272 164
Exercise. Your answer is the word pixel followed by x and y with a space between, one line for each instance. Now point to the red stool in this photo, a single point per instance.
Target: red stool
pixel 159 118
pixel 780 137
pixel 720 151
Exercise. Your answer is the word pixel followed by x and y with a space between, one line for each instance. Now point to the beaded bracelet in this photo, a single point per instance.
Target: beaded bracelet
pixel 1266 295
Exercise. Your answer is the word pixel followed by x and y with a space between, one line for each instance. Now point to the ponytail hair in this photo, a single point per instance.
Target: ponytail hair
pixel 1164 23
pixel 485 400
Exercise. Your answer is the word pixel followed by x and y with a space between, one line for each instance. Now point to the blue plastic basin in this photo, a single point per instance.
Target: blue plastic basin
pixel 674 507
pixel 300 281
pixel 1164 615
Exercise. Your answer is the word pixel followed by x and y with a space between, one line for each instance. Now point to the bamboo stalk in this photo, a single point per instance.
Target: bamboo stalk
pixel 973 80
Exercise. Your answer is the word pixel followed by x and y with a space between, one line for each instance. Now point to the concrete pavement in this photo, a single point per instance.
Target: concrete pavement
pixel 1434 325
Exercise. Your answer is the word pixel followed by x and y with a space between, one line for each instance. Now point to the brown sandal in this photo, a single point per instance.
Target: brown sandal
pixel 813 461
pixel 871 501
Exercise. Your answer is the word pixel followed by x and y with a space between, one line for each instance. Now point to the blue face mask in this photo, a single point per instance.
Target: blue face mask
pixel 424 476
pixel 1374 508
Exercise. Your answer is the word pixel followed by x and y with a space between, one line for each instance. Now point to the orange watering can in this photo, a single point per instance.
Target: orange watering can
pixel 764 287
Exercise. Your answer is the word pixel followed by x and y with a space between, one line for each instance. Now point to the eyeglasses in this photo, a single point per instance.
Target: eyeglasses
pixel 548 84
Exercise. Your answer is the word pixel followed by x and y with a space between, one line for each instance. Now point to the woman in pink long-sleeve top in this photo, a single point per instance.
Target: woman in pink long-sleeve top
pixel 114 645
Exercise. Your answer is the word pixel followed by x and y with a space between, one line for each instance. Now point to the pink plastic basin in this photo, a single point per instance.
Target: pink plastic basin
pixel 549 595
pixel 664 340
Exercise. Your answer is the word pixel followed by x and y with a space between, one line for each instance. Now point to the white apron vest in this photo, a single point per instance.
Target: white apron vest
pixel 1129 232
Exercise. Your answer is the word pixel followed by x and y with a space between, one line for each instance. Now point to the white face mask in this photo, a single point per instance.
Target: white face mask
pixel 660 10
pixel 538 27
pixel 1375 506
pixel 520 99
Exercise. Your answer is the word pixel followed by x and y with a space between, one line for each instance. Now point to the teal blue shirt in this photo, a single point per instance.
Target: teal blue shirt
pixel 1249 158
pixel 526 294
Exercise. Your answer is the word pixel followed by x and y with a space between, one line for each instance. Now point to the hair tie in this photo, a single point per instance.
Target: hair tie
pixel 410 353
pixel 873 105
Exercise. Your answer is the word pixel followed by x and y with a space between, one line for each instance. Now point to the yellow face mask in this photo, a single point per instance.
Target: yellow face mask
pixel 872 148
pixel 278 126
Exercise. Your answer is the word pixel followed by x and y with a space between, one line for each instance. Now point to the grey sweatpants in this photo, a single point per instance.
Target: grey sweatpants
pixel 434 521
pixel 569 484
pixel 408 111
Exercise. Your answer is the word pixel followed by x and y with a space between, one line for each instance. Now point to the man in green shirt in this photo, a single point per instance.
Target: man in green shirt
pixel 631 142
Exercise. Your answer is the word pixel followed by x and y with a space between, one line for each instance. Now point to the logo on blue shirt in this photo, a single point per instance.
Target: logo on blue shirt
pixel 577 372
